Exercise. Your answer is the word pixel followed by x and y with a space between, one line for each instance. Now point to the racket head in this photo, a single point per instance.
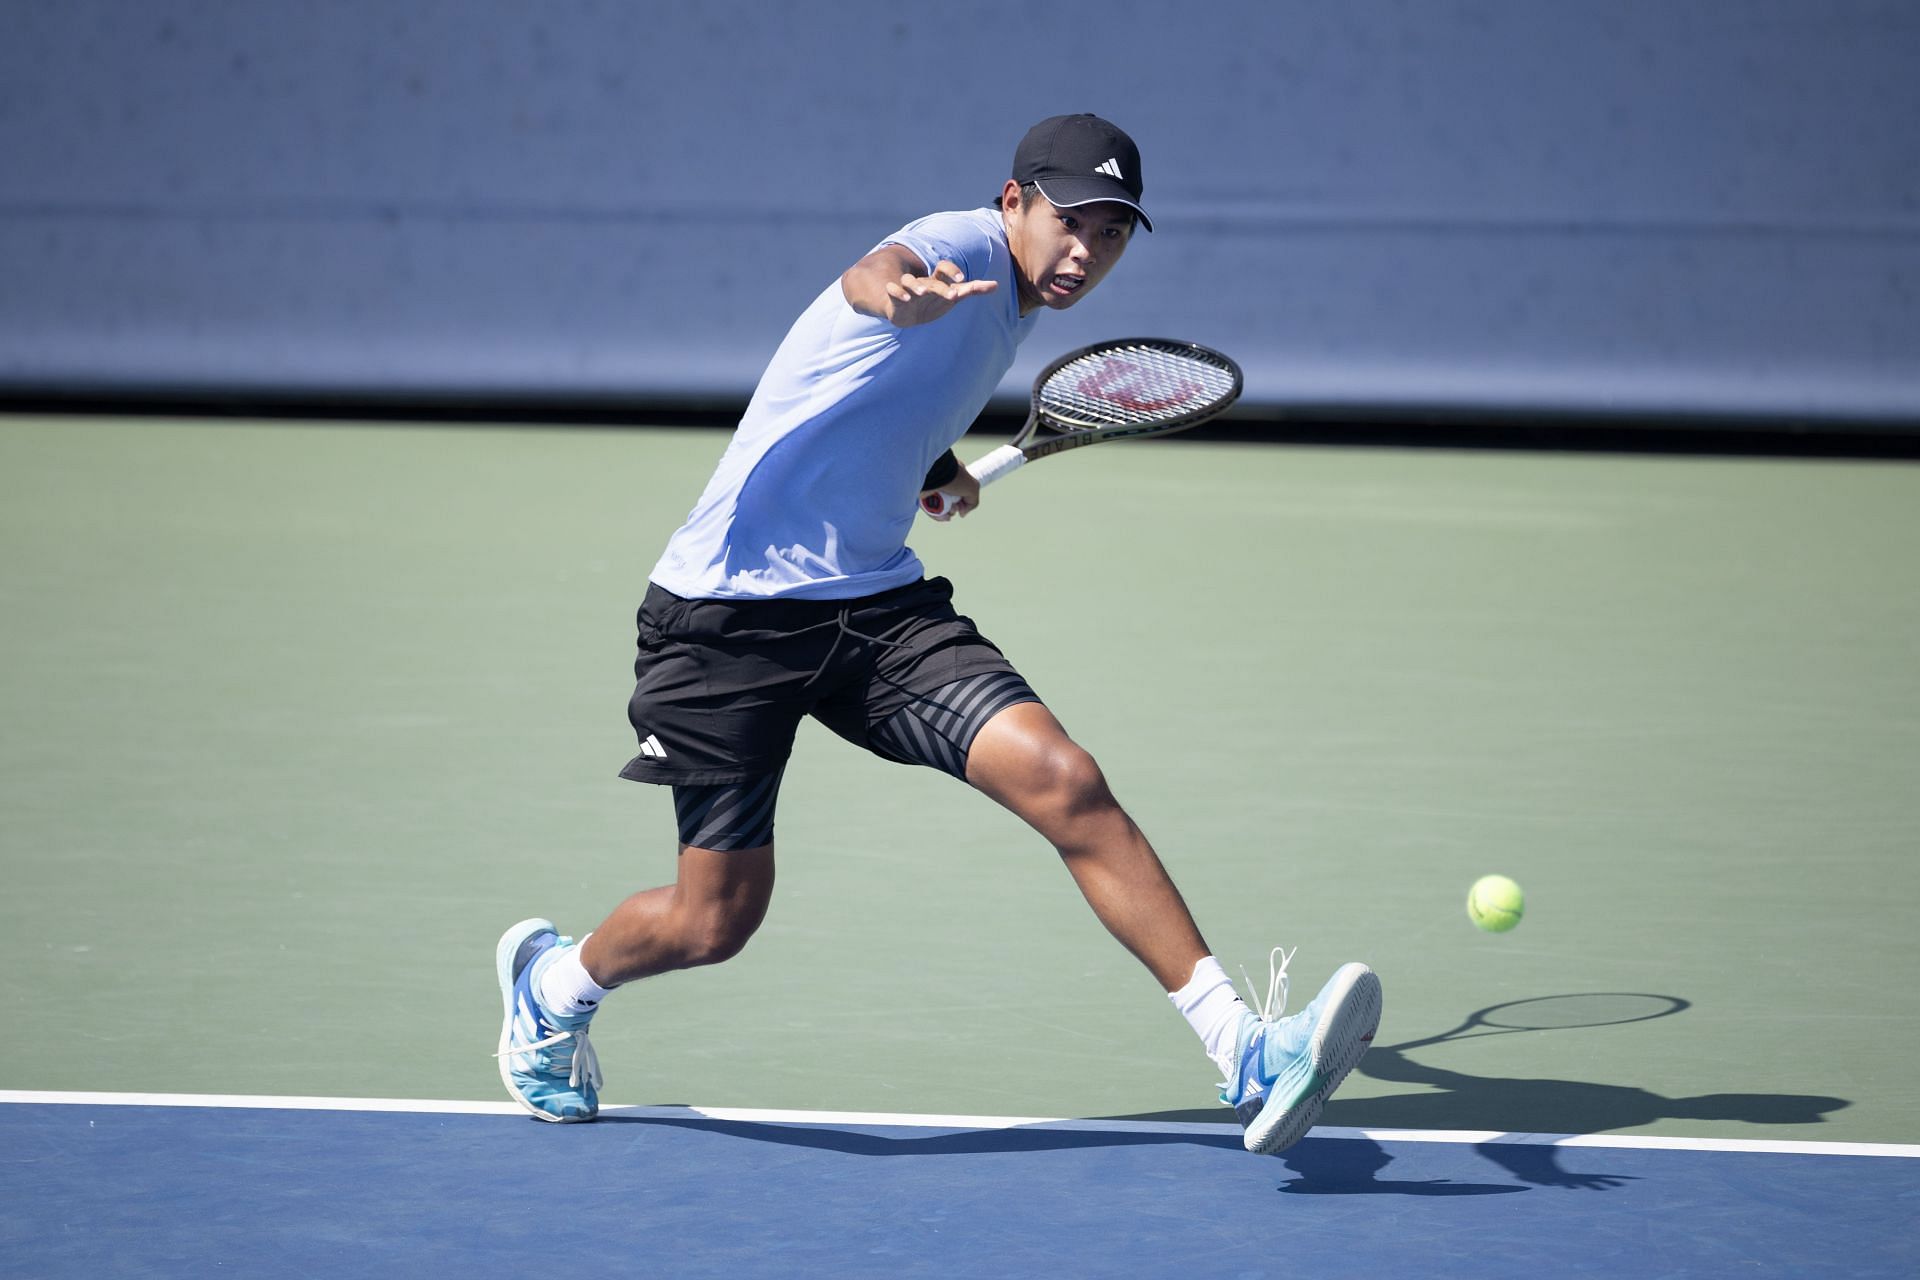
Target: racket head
pixel 1124 387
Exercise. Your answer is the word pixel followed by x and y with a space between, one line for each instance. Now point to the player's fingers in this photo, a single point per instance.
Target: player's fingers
pixel 925 288
pixel 945 270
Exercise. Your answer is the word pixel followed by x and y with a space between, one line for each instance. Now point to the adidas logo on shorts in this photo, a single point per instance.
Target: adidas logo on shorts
pixel 652 749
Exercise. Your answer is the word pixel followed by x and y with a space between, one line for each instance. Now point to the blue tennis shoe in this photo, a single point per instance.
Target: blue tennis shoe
pixel 1284 1069
pixel 546 1061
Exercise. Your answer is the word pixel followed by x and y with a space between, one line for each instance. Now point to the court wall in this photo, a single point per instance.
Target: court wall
pixel 1460 207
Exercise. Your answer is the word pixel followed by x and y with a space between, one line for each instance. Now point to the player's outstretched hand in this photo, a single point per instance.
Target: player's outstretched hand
pixel 920 299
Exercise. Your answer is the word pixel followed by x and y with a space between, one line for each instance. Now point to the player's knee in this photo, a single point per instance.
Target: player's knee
pixel 716 935
pixel 715 925
pixel 716 945
pixel 1068 779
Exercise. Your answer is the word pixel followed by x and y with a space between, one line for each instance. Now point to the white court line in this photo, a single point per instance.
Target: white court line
pixel 893 1120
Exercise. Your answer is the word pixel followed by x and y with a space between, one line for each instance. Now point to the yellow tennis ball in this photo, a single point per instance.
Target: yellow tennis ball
pixel 1495 903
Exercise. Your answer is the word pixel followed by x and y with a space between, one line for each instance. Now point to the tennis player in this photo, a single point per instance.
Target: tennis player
pixel 790 592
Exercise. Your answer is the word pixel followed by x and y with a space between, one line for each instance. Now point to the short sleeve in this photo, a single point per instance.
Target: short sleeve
pixel 954 237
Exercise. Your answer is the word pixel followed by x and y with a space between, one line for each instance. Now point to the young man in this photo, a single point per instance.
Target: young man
pixel 790 591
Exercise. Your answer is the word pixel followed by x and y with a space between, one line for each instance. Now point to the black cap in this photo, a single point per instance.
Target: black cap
pixel 1081 160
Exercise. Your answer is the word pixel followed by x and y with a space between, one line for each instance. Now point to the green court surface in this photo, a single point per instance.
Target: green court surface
pixel 298 717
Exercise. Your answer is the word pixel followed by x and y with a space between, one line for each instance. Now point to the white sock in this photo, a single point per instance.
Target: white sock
pixel 565 987
pixel 1212 1008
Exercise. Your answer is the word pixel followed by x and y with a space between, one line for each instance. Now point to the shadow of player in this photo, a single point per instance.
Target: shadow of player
pixel 1522 1105
pixel 1512 1105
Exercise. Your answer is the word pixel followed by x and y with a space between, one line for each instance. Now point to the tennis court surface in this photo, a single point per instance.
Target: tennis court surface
pixel 300 716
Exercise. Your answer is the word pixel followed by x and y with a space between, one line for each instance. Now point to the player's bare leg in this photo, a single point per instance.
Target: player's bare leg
pixel 550 989
pixel 1279 1070
pixel 716 903
pixel 1024 759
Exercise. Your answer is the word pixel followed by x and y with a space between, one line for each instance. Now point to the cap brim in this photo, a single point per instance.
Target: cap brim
pixel 1071 193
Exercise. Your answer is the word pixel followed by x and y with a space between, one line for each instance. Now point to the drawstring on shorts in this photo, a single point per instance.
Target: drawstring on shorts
pixel 843 621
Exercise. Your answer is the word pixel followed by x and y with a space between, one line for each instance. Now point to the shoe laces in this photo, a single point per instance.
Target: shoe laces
pixel 586 1062
pixel 1268 1011
pixel 1275 1004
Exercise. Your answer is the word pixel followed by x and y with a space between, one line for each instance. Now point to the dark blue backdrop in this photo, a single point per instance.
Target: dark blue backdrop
pixel 1616 206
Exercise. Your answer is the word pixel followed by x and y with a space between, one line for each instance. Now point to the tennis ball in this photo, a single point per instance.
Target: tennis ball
pixel 1495 903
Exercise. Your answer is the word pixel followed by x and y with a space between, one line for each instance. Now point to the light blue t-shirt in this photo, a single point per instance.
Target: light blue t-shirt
pixel 819 486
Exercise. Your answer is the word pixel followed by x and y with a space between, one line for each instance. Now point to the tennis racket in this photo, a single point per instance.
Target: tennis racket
pixel 1558 1013
pixel 1128 389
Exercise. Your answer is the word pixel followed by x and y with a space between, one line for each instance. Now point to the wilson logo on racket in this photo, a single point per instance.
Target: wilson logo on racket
pixel 1127 386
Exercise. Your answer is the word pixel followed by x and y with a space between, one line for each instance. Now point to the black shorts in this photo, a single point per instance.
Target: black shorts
pixel 722 685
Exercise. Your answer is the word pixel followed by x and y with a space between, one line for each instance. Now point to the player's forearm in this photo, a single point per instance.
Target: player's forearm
pixel 864 285
pixel 865 293
pixel 888 284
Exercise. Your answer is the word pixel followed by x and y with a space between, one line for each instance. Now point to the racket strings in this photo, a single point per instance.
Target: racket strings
pixel 1277 961
pixel 1131 385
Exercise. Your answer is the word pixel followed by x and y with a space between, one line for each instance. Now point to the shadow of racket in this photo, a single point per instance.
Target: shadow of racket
pixel 1556 1013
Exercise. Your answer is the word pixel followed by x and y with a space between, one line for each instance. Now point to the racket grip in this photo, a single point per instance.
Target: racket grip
pixel 1006 458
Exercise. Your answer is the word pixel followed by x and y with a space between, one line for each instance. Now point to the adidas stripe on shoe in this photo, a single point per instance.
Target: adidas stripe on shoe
pixel 1284 1069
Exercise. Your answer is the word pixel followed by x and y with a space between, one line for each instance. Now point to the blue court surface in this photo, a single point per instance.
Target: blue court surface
pixel 144 1185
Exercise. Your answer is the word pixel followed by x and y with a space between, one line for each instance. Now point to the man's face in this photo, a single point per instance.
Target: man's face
pixel 1061 254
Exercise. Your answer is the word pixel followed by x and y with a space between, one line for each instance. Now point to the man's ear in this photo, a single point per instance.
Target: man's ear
pixel 1010 196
